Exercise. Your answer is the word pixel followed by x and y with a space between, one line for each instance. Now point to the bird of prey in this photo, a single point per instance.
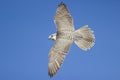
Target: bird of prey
pixel 65 36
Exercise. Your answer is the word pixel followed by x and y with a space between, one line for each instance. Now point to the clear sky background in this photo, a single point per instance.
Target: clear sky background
pixel 24 46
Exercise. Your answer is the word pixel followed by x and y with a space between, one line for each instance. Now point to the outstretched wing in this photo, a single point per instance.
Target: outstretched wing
pixel 64 25
pixel 57 55
pixel 63 19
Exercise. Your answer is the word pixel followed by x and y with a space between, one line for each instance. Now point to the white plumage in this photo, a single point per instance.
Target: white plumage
pixel 65 36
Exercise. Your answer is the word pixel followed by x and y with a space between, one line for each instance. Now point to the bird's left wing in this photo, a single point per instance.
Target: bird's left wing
pixel 57 55
pixel 63 19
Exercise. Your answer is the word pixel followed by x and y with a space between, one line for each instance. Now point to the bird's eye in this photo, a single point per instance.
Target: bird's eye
pixel 51 35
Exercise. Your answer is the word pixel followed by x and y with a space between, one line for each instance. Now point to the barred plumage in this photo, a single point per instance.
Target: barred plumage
pixel 83 37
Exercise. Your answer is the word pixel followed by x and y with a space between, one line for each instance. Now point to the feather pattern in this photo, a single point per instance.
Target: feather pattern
pixel 64 24
pixel 83 37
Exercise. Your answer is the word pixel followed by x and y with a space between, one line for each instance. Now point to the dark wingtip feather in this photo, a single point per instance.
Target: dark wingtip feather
pixel 62 3
pixel 50 75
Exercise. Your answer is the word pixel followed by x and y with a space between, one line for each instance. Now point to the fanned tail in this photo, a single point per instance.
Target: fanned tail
pixel 84 38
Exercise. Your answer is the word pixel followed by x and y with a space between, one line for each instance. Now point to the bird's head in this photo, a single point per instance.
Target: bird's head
pixel 52 36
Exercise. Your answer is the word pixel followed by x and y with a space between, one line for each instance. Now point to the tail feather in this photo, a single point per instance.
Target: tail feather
pixel 84 38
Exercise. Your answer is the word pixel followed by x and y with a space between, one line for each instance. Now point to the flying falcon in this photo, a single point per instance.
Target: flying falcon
pixel 65 36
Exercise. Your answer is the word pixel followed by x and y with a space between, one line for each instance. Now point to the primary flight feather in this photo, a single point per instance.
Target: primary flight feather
pixel 65 36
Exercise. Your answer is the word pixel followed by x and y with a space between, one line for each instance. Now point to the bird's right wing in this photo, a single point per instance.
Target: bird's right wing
pixel 57 55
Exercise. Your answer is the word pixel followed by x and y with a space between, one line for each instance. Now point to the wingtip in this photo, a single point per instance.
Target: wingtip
pixel 62 3
pixel 50 75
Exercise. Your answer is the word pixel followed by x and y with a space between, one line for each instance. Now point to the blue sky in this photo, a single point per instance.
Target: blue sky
pixel 24 46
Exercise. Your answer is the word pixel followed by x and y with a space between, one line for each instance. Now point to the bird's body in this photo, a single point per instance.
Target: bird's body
pixel 65 36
